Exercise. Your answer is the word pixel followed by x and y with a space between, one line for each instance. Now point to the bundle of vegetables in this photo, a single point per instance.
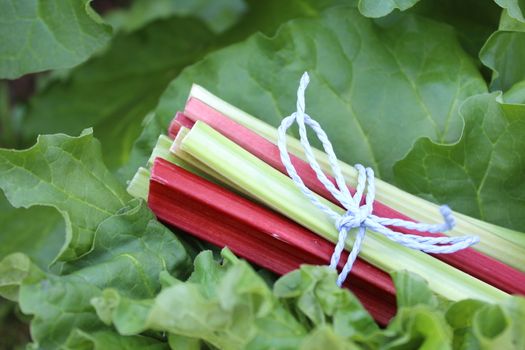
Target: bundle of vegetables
pixel 201 180
pixel 430 94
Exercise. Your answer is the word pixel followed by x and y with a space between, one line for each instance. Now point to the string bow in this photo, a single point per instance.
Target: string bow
pixel 357 215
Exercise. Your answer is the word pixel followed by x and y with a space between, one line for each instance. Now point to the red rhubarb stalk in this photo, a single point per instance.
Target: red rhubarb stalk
pixel 256 233
pixel 179 121
pixel 469 260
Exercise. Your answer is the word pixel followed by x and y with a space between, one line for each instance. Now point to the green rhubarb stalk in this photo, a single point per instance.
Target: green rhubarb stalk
pixel 277 191
pixel 196 167
pixel 501 243
pixel 138 187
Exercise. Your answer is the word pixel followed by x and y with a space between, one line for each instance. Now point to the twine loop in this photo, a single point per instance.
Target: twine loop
pixel 358 215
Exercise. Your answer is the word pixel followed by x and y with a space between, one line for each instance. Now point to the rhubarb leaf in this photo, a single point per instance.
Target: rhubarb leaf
pixel 504 53
pixel 482 174
pixel 516 94
pixel 114 91
pixel 360 71
pixel 131 249
pixel 373 8
pixel 515 8
pixel 219 15
pixel 37 232
pixel 66 173
pixel 473 28
pixel 38 35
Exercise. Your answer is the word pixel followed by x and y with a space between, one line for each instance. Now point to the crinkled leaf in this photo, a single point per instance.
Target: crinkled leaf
pixel 374 8
pixel 324 338
pixel 412 290
pixel 131 249
pixel 38 35
pixel 482 174
pixel 14 269
pixel 227 305
pixel 315 294
pixel 418 327
pixel 478 325
pixel 66 173
pixel 361 71
pixel 459 316
pixel 114 91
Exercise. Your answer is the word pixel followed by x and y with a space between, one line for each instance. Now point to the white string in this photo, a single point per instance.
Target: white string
pixel 358 216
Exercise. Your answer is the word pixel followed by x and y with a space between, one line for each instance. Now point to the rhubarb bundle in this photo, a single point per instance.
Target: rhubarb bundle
pixel 222 180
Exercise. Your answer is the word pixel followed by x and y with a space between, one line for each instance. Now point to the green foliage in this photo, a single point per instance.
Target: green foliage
pixel 400 85
pixel 37 35
pixel 66 173
pixel 370 69
pixel 371 8
pixel 504 53
pixel 131 249
pixel 481 174
pixel 115 90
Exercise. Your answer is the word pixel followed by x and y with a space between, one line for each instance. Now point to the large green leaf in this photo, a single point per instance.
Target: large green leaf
pixel 370 87
pixel 37 35
pixel 114 91
pixel 66 173
pixel 482 174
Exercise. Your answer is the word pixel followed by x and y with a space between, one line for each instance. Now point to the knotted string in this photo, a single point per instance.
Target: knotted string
pixel 358 216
